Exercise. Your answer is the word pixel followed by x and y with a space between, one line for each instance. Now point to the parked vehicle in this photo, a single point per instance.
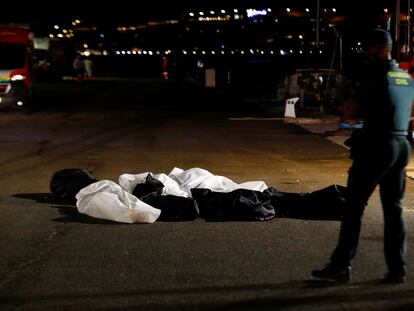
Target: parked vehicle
pixel 16 67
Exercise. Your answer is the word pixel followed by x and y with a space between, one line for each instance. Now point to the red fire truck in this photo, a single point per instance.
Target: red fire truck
pixel 16 68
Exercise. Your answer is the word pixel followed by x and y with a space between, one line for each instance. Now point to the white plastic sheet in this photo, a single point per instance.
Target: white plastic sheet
pixel 129 181
pixel 201 178
pixel 107 200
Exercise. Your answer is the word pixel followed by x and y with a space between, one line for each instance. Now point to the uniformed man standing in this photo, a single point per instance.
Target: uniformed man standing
pixel 380 153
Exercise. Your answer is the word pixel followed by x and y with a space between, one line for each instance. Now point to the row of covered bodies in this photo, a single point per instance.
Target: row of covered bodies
pixel 189 194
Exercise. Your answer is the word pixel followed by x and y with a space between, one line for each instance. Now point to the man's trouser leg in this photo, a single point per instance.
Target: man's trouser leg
pixel 392 188
pixel 360 188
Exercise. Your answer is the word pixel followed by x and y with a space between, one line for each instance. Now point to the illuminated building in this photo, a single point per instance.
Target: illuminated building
pixel 285 33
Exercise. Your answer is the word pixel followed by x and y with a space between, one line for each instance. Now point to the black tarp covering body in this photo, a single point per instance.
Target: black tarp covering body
pixel 240 204
pixel 325 204
pixel 237 205
pixel 173 208
pixel 66 183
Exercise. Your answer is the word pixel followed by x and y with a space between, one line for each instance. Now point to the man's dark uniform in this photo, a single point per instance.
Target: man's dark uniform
pixel 384 95
pixel 380 154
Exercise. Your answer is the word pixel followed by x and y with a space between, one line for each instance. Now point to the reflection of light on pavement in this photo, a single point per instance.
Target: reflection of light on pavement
pixel 323 125
pixel 319 126
pixel 410 169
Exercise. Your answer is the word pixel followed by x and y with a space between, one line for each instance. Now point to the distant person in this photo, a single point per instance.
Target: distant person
pixel 78 68
pixel 164 65
pixel 89 67
pixel 380 153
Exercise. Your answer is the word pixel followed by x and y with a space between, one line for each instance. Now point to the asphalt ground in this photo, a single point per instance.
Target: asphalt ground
pixel 56 259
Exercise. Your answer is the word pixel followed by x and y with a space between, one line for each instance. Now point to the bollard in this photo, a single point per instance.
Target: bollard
pixel 290 107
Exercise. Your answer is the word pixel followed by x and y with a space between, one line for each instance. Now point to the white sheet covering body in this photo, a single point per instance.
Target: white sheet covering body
pixel 179 182
pixel 107 200
pixel 201 178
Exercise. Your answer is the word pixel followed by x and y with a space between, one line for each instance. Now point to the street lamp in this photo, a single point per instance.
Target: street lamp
pixel 330 73
pixel 317 23
pixel 408 28
pixel 338 37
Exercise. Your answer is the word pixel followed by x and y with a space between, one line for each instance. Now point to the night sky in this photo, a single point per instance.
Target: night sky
pixel 46 12
pixel 49 9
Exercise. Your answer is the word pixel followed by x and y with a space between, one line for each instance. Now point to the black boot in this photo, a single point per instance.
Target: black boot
pixel 394 278
pixel 339 274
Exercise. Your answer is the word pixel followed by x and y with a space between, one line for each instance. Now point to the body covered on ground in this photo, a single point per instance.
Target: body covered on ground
pixel 184 195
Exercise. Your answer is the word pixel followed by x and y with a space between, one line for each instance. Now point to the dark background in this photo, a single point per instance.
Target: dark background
pixel 113 12
pixel 256 74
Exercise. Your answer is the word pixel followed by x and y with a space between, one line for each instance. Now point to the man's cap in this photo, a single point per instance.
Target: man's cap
pixel 376 37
